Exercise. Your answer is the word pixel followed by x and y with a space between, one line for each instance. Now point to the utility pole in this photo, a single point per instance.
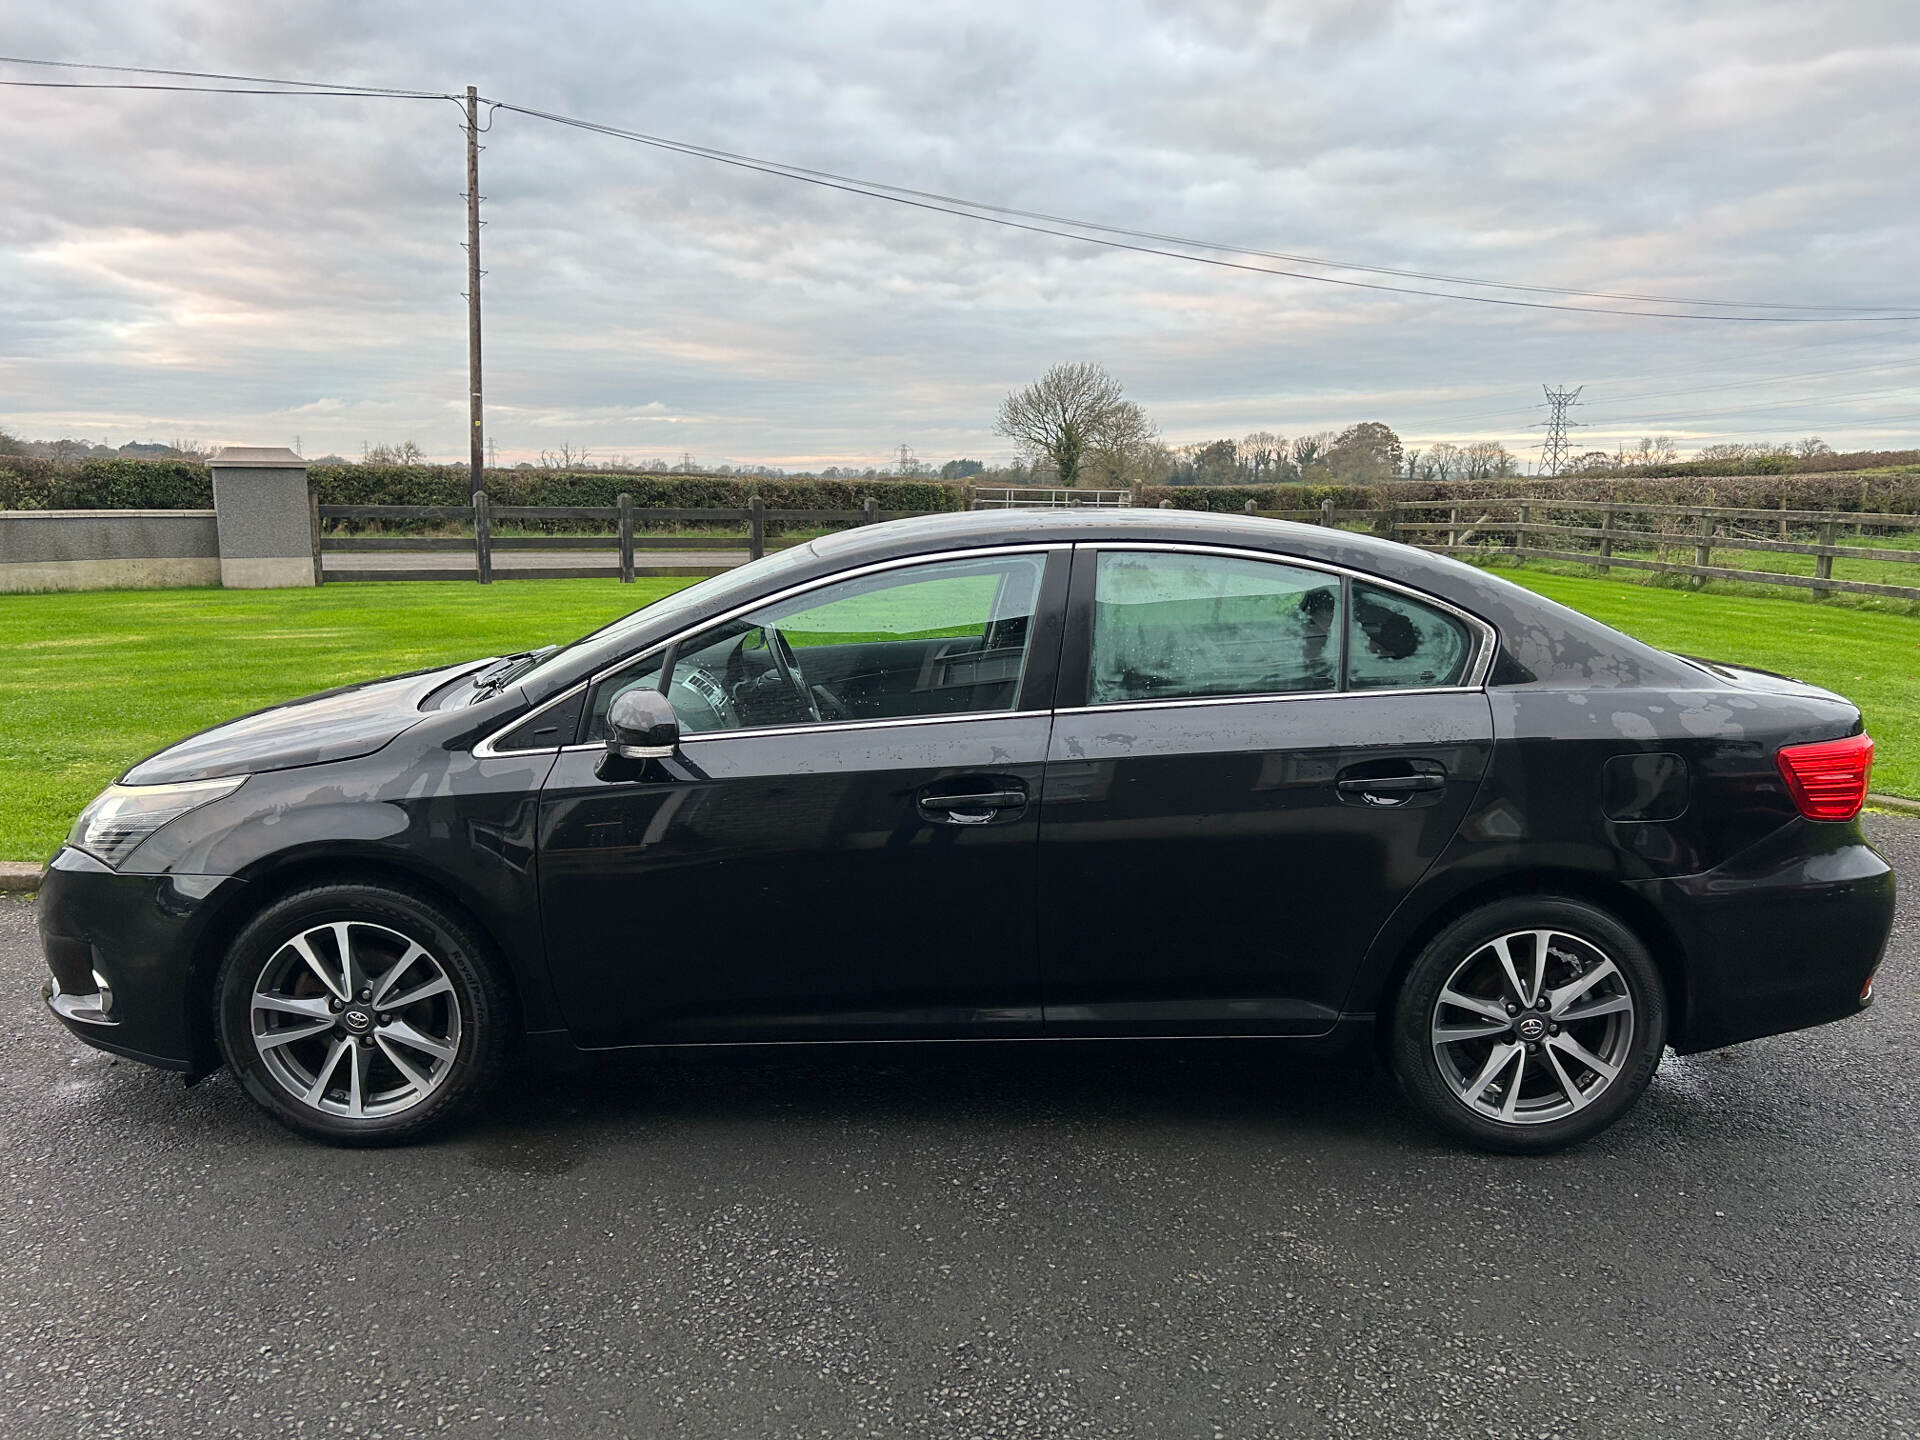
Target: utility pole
pixel 477 467
pixel 1553 449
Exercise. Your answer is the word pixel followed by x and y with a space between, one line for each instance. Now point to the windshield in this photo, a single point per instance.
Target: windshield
pixel 715 587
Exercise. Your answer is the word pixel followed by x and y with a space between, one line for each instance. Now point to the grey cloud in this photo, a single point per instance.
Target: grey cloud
pixel 252 268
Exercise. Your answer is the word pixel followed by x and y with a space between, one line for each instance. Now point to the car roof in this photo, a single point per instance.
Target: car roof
pixel 1541 642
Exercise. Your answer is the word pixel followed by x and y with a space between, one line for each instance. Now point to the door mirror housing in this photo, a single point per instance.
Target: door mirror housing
pixel 641 725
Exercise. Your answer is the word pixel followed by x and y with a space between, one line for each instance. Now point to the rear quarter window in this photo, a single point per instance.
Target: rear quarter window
pixel 1396 643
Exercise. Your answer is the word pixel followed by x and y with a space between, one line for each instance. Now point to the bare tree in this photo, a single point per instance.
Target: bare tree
pixel 1811 446
pixel 1073 416
pixel 1309 448
pixel 1652 450
pixel 1260 454
pixel 1488 459
pixel 405 453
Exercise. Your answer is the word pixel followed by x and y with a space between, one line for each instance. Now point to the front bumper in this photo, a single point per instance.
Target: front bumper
pixel 1783 937
pixel 121 949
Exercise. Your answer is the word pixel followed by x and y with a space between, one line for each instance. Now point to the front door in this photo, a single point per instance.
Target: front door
pixel 844 845
pixel 1253 763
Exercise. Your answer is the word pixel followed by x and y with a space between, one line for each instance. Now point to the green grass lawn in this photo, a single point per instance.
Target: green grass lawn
pixel 95 680
pixel 1728 555
pixel 1870 656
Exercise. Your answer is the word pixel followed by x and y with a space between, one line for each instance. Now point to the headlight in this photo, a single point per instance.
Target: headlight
pixel 121 816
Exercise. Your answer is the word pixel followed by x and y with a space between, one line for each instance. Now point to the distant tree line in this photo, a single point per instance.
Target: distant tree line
pixel 1075 426
pixel 68 450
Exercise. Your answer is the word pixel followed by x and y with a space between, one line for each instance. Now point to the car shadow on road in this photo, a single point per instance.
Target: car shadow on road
pixel 548 1109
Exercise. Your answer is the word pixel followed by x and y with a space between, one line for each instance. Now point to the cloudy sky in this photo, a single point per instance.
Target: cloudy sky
pixel 256 269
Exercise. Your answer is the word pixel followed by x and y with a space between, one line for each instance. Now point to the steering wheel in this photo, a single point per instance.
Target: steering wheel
pixel 789 668
pixel 829 704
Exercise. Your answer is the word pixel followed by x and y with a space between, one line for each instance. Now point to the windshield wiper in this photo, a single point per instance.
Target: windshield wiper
pixel 506 667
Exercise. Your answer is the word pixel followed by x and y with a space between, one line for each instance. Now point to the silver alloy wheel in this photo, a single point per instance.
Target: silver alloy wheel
pixel 356 1019
pixel 1533 1026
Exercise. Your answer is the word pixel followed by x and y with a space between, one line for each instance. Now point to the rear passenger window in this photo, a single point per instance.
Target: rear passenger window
pixel 1168 625
pixel 1394 643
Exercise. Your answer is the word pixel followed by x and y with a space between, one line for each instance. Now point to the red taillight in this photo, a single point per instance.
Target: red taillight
pixel 1828 781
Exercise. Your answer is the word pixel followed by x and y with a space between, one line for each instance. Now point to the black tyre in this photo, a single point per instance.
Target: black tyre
pixel 362 1015
pixel 1530 1024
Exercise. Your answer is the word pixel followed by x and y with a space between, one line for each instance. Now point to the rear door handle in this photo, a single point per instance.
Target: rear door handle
pixel 975 807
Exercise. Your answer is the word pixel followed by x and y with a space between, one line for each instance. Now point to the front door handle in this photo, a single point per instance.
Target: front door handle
pixel 973 807
pixel 1391 789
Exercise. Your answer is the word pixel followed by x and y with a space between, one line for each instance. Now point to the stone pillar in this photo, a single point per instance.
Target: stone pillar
pixel 260 499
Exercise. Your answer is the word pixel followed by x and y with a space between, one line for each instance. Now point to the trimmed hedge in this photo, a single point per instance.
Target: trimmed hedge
pixel 1264 497
pixel 1848 460
pixel 33 483
pixel 447 485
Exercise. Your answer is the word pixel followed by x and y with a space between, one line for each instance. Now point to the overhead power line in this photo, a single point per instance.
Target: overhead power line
pixel 210 89
pixel 1086 232
pixel 800 171
pixel 993 215
pixel 1793 403
pixel 299 85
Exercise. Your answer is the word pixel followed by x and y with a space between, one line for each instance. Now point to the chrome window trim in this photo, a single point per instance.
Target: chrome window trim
pixel 1274 697
pixel 835 727
pixel 1487 641
pixel 485 749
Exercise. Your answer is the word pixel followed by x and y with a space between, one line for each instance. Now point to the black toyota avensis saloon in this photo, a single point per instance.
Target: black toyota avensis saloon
pixel 998 776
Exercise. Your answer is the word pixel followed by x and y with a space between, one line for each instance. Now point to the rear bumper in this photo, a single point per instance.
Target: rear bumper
pixel 1783 937
pixel 120 949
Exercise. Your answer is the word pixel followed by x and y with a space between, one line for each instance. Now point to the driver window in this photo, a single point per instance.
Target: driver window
pixel 945 638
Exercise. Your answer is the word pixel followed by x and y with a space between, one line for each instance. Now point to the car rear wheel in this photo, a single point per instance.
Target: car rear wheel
pixel 362 1015
pixel 1530 1024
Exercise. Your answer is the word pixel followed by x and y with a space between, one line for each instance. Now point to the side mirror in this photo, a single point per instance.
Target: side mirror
pixel 641 725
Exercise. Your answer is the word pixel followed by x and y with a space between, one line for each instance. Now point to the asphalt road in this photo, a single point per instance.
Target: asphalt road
pixel 968 1241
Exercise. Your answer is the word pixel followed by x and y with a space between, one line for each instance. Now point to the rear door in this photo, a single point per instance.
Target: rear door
pixel 1253 762
pixel 843 848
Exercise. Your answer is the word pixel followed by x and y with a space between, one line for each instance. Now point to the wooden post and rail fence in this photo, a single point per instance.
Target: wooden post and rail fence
pixel 1596 532
pixel 1608 535
pixel 623 552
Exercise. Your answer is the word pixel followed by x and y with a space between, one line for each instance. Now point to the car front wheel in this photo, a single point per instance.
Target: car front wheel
pixel 1530 1024
pixel 361 1015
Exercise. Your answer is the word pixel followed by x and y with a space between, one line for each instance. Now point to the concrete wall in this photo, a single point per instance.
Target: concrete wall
pixel 107 549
